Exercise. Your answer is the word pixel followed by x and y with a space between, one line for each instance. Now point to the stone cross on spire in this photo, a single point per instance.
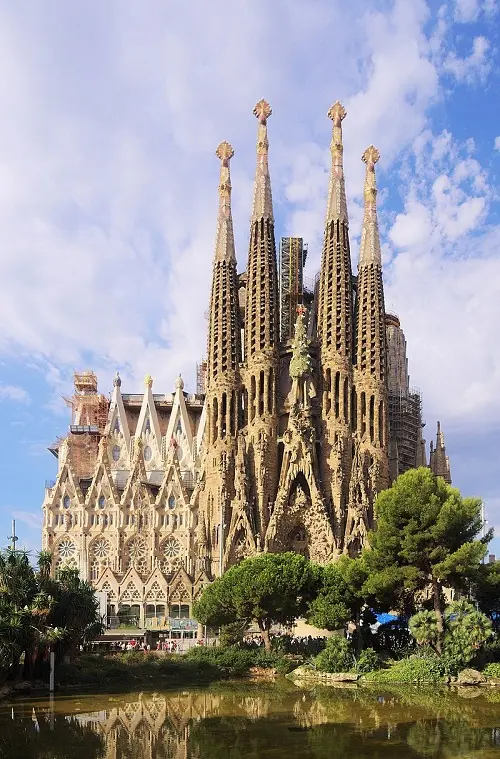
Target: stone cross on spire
pixel 336 208
pixel 262 197
pixel 369 251
pixel 224 240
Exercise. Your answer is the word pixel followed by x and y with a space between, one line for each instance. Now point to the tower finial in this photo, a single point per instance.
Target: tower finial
pixel 262 197
pixel 336 208
pixel 369 251
pixel 224 241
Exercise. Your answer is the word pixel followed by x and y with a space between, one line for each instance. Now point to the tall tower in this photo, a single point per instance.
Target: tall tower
pixel 334 328
pixel 439 462
pixel 223 376
pixel 261 341
pixel 370 466
pixel 404 404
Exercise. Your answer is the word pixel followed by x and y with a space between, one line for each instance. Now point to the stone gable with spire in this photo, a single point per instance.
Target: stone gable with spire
pixel 285 449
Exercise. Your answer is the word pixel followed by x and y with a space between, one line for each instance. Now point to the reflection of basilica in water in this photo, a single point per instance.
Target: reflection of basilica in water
pixel 238 721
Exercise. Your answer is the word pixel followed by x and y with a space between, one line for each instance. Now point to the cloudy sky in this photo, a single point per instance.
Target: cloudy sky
pixel 111 113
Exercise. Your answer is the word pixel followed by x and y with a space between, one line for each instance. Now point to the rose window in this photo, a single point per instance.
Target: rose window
pixel 101 548
pixel 66 549
pixel 171 548
pixel 137 548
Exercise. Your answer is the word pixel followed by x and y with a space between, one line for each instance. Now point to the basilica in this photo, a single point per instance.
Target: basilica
pixel 302 413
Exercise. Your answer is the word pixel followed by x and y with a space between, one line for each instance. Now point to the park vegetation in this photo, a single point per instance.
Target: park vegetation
pixel 426 549
pixel 40 613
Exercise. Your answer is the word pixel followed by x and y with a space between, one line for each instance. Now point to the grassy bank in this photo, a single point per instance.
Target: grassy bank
pixel 200 665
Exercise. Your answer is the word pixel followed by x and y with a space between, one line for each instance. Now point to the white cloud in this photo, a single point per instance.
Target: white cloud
pixel 14 393
pixel 33 521
pixel 497 143
pixel 466 10
pixel 472 68
pixel 108 182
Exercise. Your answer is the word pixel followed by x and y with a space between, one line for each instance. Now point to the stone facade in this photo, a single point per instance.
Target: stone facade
pixel 287 448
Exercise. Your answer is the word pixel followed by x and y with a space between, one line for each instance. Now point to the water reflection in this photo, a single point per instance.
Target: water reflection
pixel 255 720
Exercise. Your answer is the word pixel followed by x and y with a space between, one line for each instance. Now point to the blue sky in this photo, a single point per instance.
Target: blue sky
pixel 111 114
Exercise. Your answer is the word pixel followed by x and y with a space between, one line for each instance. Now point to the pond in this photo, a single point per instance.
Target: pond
pixel 257 720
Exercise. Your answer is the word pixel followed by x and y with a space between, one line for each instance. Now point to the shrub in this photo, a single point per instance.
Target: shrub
pixel 229 661
pixel 415 669
pixel 492 670
pixel 367 661
pixel 336 656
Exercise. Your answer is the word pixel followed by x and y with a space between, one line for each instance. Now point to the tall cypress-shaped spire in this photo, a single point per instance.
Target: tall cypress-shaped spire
pixel 262 332
pixel 224 341
pixel 223 397
pixel 370 316
pixel 335 292
pixel 439 462
pixel 335 318
pixel 371 347
pixel 261 317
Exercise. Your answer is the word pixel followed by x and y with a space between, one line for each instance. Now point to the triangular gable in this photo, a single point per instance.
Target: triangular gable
pixel 179 437
pixel 156 589
pixel 102 482
pixel 148 418
pixel 181 586
pixel 137 475
pixel 67 484
pixel 172 479
pixel 109 584
pixel 130 583
pixel 200 584
pixel 117 418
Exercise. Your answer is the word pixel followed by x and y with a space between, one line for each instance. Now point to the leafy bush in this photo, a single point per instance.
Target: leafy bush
pixel 229 661
pixel 367 661
pixel 466 631
pixel 394 638
pixel 336 656
pixel 415 669
pixel 492 670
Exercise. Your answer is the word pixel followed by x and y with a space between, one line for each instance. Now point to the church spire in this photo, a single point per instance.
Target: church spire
pixel 336 208
pixel 370 311
pixel 262 196
pixel 261 354
pixel 224 241
pixel 369 252
pixel 224 344
pixel 371 340
pixel 261 317
pixel 334 328
pixel 439 462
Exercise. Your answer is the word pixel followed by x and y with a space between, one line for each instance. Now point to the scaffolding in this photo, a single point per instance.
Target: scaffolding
pixel 89 417
pixel 405 425
pixel 292 257
pixel 201 377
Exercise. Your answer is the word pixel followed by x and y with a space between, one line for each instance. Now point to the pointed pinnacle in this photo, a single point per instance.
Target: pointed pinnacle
pixel 262 110
pixel 262 197
pixel 224 151
pixel 337 204
pixel 224 241
pixel 337 113
pixel 369 250
pixel 371 156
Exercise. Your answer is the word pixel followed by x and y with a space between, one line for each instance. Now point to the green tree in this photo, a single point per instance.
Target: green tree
pixel 425 539
pixel 341 597
pixel 486 590
pixel 466 630
pixel 38 612
pixel 266 589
